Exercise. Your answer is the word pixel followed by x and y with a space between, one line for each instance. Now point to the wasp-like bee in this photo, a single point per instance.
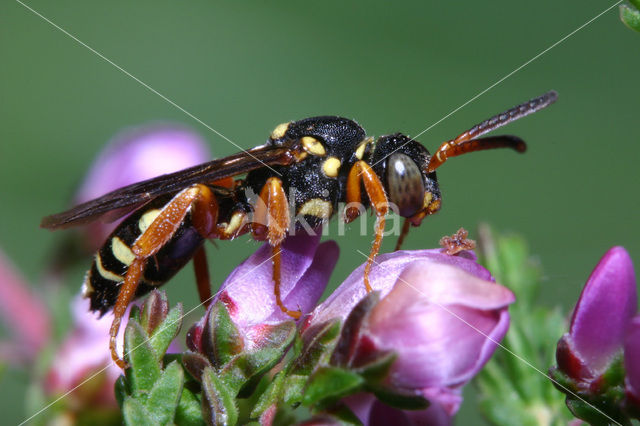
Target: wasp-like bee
pixel 321 162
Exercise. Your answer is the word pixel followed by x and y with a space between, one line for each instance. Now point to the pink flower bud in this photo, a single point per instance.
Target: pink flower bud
pixel 605 308
pixel 248 291
pixel 632 361
pixel 443 323
pixel 442 315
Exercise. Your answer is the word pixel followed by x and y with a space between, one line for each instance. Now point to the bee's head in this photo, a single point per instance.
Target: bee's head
pixel 402 165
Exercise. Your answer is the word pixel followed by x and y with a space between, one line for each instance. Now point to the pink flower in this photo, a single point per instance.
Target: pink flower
pixel 84 356
pixel 442 315
pixel 600 319
pixel 25 314
pixel 632 361
pixel 248 291
pixel 135 155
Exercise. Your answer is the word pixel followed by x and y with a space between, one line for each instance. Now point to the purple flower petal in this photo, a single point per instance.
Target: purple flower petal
pixel 371 412
pixel 606 305
pixel 384 275
pixel 248 292
pixel 632 358
pixel 443 322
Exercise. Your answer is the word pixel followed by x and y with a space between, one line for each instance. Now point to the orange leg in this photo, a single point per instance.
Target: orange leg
pixel 403 234
pixel 202 276
pixel 379 203
pixel 125 296
pixel 276 288
pixel 271 221
pixel 152 240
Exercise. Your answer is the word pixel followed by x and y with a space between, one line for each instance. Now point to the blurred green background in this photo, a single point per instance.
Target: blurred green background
pixel 244 67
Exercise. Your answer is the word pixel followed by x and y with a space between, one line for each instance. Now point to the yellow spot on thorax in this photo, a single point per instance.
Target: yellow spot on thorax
pixel 331 166
pixel 280 130
pixel 237 219
pixel 313 146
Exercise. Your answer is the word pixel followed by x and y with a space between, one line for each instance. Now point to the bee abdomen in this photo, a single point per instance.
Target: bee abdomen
pixel 103 281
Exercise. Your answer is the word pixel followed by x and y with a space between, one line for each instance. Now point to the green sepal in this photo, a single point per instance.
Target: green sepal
pixel 615 373
pixel 221 340
pixel 166 331
pixel 218 404
pixel 244 371
pixel 630 16
pixel 377 370
pixel 194 364
pixel 154 310
pixel 144 367
pixel 339 415
pixel 136 414
pixel 164 397
pixel 350 333
pixel 121 389
pixel 597 412
pixel 189 411
pixel 399 399
pixel 328 384
pixel 134 313
pixel 562 382
pixel 316 346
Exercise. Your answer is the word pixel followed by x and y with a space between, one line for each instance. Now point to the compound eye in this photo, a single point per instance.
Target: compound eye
pixel 406 187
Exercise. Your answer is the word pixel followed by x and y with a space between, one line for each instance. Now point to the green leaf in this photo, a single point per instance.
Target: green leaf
pixel 270 396
pixel 330 384
pixel 294 388
pixel 165 394
pixel 218 403
pixel 144 368
pixel 136 414
pixel 189 411
pixel 166 331
pixel 510 388
pixel 630 17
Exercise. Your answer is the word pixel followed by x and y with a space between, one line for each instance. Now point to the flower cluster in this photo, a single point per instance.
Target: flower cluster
pixel 400 354
pixel 599 358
